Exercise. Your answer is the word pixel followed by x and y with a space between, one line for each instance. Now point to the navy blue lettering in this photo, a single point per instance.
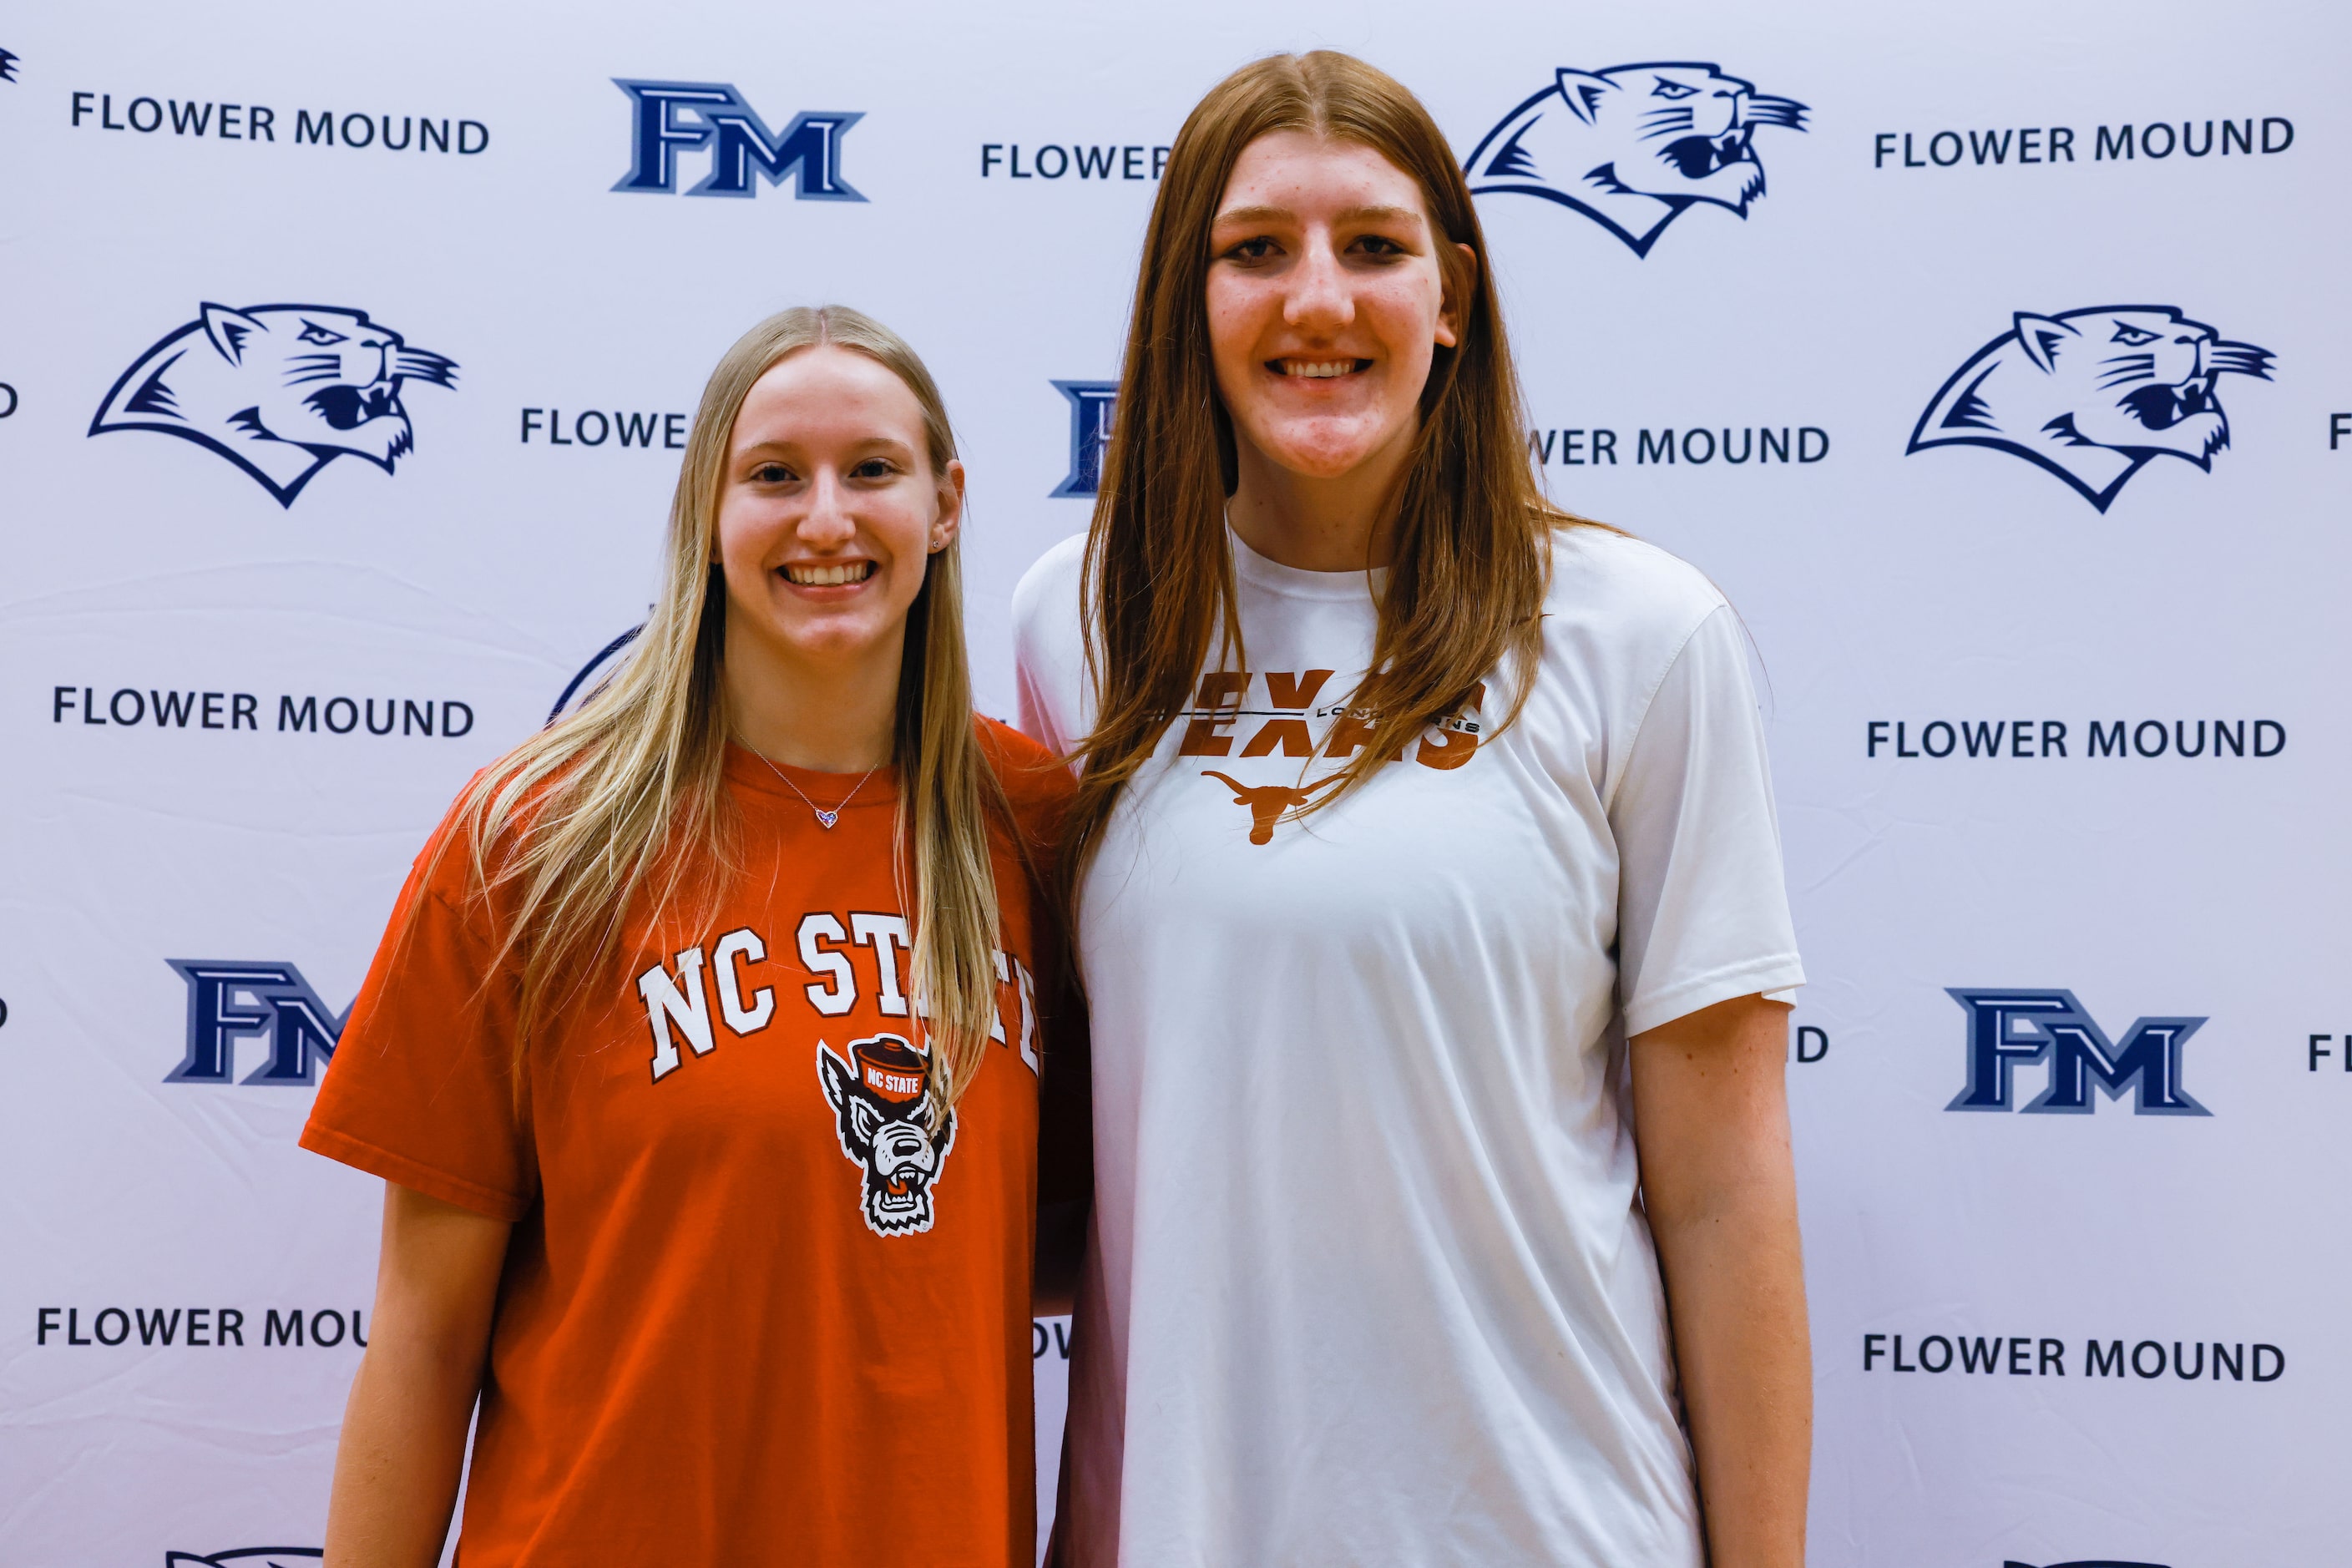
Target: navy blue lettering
pixel 229 1001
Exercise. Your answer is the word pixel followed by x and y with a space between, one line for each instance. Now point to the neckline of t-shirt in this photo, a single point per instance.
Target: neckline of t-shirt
pixel 1298 582
pixel 753 771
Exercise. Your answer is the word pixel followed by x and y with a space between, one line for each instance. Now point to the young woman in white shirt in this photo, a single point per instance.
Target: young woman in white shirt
pixel 1431 911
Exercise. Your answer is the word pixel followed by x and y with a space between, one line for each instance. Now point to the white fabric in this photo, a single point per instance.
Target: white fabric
pixel 1370 1284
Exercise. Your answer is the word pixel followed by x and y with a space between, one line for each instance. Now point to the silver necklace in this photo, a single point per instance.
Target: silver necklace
pixel 824 819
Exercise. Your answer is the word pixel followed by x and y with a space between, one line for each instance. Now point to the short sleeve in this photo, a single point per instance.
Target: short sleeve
pixel 422 1087
pixel 1702 906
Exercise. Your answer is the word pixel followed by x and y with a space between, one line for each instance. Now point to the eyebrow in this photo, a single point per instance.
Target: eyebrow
pixel 1353 215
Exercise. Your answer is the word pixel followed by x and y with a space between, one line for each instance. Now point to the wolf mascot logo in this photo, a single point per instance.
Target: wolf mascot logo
pixel 281 391
pixel 245 1557
pixel 889 1127
pixel 2094 396
pixel 1632 147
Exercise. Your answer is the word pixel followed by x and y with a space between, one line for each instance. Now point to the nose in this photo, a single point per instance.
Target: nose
pixel 1318 296
pixel 828 524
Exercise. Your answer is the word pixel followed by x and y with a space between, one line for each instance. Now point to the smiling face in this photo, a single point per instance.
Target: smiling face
pixel 828 510
pixel 1326 304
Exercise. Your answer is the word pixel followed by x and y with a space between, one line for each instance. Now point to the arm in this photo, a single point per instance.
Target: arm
pixel 1065 1154
pixel 1711 1121
pixel 403 1440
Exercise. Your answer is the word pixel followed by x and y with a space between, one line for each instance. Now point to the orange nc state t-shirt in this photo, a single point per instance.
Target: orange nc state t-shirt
pixel 759 1306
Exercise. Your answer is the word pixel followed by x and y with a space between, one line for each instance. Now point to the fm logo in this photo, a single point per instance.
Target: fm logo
pixel 245 1557
pixel 1092 405
pixel 2009 1030
pixel 281 391
pixel 229 1001
pixel 9 66
pixel 1634 147
pixel 667 118
pixel 2094 396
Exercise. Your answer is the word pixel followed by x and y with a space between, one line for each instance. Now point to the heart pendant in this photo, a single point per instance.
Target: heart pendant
pixel 827 818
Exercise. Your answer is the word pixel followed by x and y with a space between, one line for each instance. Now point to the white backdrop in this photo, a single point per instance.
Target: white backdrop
pixel 175 891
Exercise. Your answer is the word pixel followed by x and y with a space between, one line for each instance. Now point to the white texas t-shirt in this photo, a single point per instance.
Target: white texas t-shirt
pixel 1369 1282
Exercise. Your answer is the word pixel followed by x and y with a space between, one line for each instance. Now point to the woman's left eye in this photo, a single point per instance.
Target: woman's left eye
pixel 1379 245
pixel 873 468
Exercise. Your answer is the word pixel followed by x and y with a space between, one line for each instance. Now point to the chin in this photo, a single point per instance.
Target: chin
pixel 1326 455
pixel 1323 441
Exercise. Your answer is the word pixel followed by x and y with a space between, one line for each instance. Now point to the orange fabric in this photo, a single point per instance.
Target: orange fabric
pixel 755 1308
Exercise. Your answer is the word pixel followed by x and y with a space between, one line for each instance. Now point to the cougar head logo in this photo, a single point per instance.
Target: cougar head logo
pixel 246 1557
pixel 1632 147
pixel 2094 396
pixel 888 1127
pixel 281 391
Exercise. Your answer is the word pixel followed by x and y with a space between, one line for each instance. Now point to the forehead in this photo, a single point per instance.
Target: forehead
pixel 1310 175
pixel 829 394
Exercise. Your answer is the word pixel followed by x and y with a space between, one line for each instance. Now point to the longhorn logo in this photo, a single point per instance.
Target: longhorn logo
pixel 1267 803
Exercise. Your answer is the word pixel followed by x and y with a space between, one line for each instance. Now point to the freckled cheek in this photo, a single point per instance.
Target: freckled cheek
pixel 1404 316
pixel 1236 323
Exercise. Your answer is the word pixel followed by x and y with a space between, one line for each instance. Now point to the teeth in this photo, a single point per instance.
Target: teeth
pixel 830 576
pixel 1317 367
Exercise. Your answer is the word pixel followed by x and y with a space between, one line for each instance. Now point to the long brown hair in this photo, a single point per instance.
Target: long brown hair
pixel 623 799
pixel 1470 522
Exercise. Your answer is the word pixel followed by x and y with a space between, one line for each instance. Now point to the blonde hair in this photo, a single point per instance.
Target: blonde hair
pixel 623 798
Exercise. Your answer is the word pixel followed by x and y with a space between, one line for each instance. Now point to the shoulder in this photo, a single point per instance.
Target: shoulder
pixel 1603 574
pixel 463 867
pixel 1026 767
pixel 1619 604
pixel 1047 596
pixel 1036 781
pixel 1049 645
